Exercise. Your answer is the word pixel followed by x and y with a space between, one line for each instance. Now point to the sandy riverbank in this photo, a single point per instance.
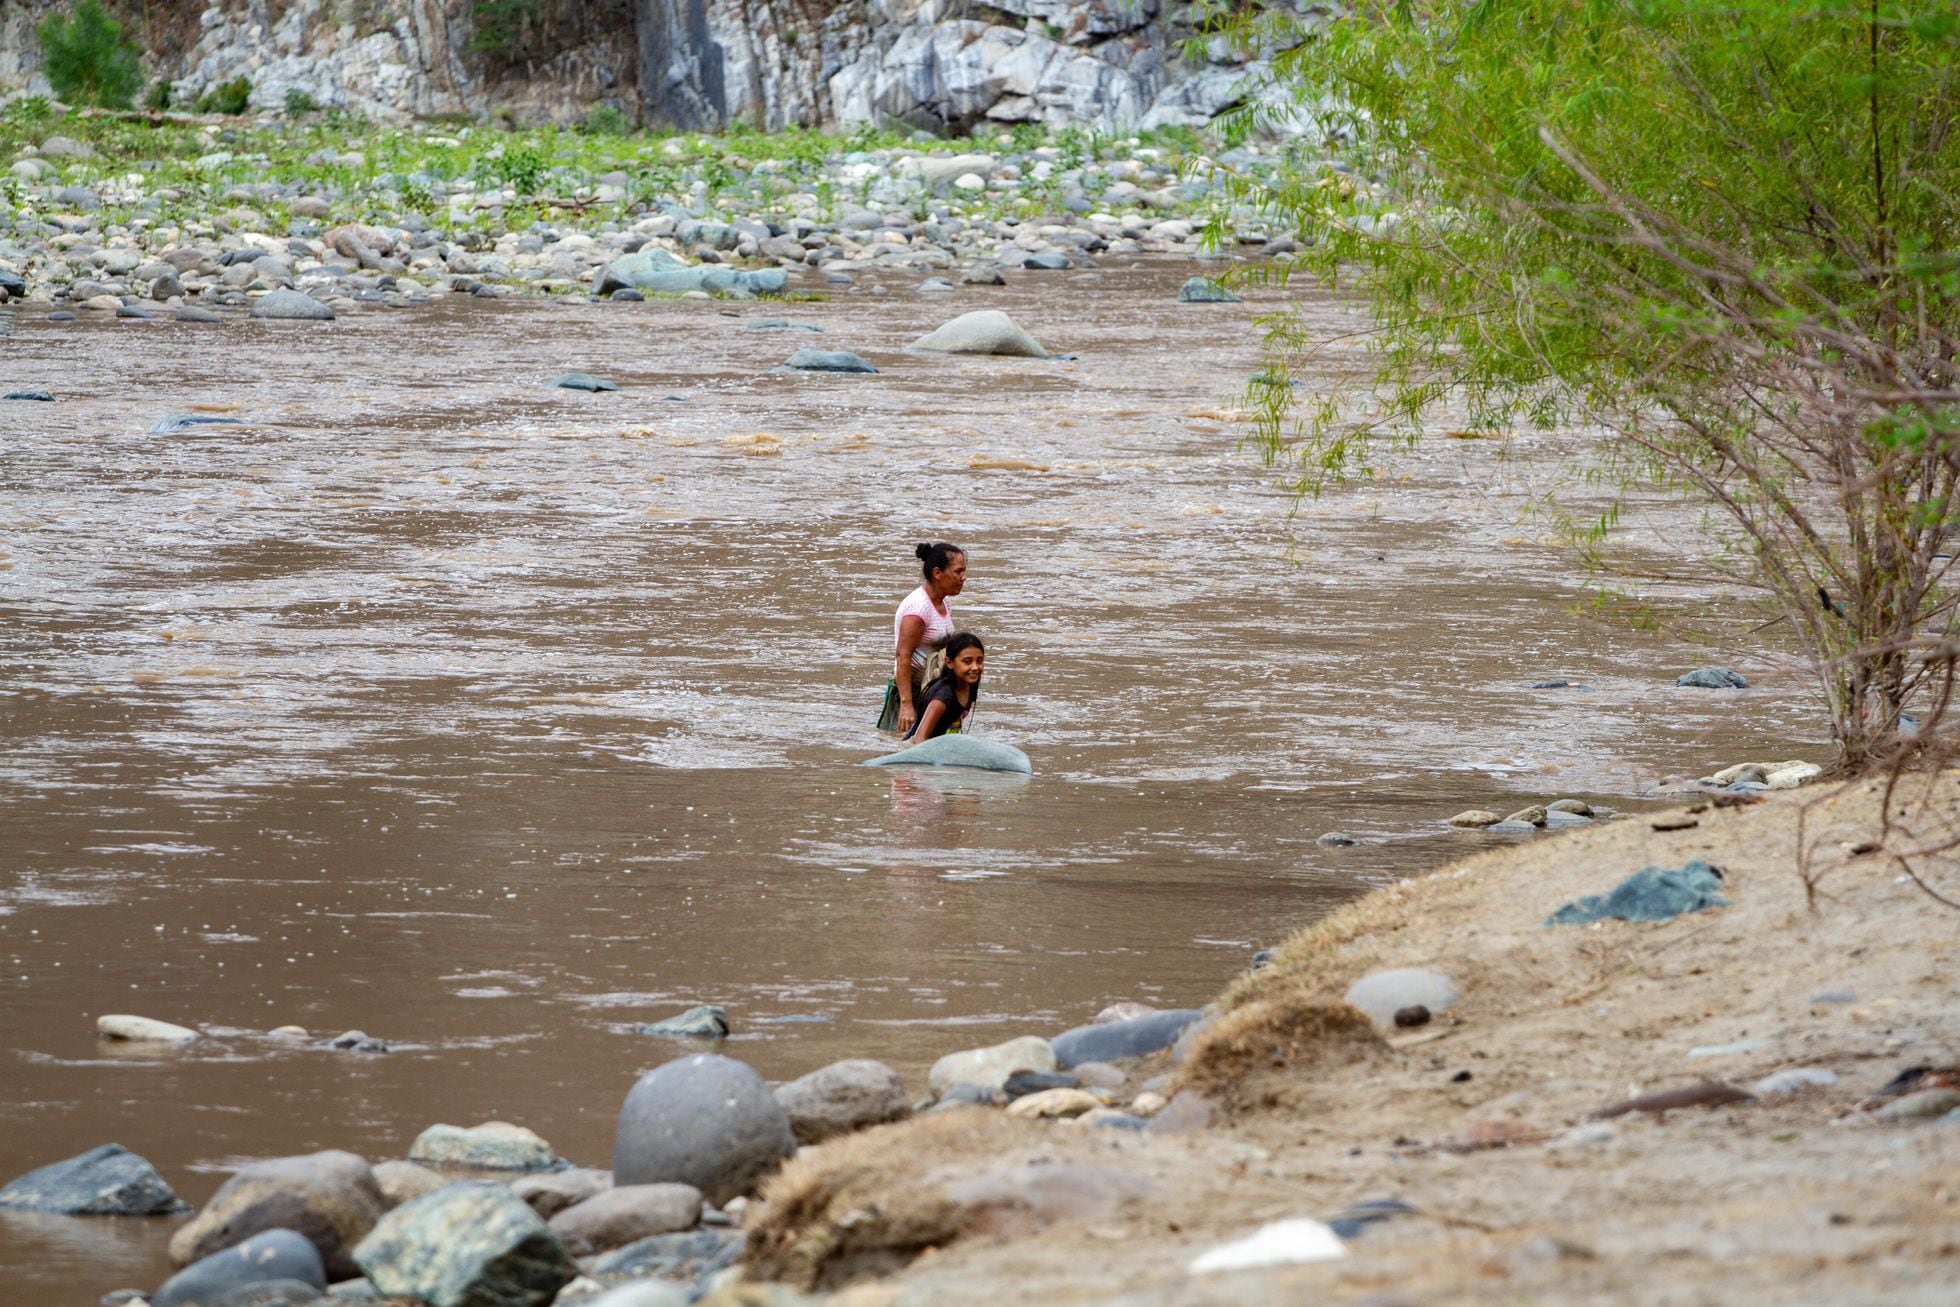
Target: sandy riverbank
pixel 1480 1120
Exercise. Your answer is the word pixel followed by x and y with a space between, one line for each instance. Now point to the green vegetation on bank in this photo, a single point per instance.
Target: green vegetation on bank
pixel 1725 234
pixel 88 58
pixel 478 177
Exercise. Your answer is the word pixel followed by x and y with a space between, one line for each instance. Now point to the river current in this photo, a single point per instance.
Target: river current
pixel 493 720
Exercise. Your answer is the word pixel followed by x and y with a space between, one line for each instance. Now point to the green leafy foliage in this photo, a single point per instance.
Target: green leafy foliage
pixel 300 103
pixel 500 25
pixel 88 59
pixel 231 98
pixel 1722 233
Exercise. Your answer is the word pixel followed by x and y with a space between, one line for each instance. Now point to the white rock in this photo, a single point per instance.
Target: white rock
pixel 1381 994
pixel 970 181
pixel 1277 1243
pixel 1790 777
pixel 985 331
pixel 143 1028
pixel 1795 1080
pixel 989 1068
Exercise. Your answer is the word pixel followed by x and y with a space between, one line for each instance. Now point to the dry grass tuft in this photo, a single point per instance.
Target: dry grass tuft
pixel 867 1204
pixel 1258 1055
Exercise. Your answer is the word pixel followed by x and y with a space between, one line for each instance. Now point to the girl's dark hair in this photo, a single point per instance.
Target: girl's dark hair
pixel 958 643
pixel 936 558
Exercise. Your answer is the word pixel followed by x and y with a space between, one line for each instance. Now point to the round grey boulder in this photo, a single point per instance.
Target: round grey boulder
pixel 843 1097
pixel 105 1181
pixel 291 306
pixel 1111 1041
pixel 1712 678
pixel 466 1245
pixel 274 1255
pixel 1203 290
pixel 705 1120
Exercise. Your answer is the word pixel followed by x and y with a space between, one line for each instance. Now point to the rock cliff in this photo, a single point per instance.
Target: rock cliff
pixel 940 65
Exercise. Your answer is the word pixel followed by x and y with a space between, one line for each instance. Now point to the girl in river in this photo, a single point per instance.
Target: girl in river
pixel 948 700
pixel 920 630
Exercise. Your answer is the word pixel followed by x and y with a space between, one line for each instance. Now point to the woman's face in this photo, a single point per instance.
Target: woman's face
pixel 951 579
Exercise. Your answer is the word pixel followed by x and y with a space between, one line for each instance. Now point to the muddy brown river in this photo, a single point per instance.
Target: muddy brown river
pixel 493 720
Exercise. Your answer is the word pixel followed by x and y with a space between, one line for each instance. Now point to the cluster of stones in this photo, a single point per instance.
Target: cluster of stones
pixel 90 235
pixel 1548 816
pixel 490 1213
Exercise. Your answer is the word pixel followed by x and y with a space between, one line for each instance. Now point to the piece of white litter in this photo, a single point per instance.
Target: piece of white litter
pixel 1277 1243
pixel 1791 1081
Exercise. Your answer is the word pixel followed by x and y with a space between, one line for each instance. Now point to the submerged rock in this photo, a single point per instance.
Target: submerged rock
pixel 265 1259
pixel 1203 290
pixel 984 331
pixel 703 1022
pixel 466 1245
pixel 580 381
pixel 1712 678
pixel 105 1181
pixel 33 396
pixel 1474 818
pixel 143 1030
pixel 187 421
pixel 827 360
pixel 706 1120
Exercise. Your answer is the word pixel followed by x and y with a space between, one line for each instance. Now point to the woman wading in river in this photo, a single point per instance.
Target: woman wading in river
pixel 920 630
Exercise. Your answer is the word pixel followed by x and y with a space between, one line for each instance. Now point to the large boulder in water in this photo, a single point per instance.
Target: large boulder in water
pixel 958 751
pixel 705 1120
pixel 105 1181
pixel 293 306
pixel 665 274
pixel 332 1198
pixel 466 1245
pixel 275 1255
pixel 984 331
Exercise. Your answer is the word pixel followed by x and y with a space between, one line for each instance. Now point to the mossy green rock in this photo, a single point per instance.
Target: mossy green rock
pixel 466 1245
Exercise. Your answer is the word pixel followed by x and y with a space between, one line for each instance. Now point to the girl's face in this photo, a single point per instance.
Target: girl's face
pixel 968 664
pixel 951 579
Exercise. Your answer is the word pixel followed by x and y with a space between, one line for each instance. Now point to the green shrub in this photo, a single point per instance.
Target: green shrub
pixel 523 167
pixel 499 25
pixel 605 120
pixel 231 98
pixel 159 96
pixel 300 103
pixel 88 59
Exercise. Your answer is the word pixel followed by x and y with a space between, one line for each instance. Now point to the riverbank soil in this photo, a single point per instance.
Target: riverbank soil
pixel 1482 1122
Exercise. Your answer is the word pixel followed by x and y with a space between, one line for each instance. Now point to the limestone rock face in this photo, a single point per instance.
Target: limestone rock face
pixel 332 1198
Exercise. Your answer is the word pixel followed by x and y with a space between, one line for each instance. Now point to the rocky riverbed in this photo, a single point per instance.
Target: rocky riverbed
pixel 1294 1136
pixel 185 216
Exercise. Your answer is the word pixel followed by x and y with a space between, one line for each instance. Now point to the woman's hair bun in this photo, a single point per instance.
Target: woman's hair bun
pixel 922 552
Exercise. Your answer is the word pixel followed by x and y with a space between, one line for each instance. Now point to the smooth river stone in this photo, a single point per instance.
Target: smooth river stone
pixel 706 1120
pixel 958 751
pixel 492 1146
pixel 291 306
pixel 275 1255
pixel 1112 1041
pixel 984 331
pixel 105 1181
pixel 143 1030
pixel 827 360
pixel 622 1214
pixel 330 1197
pixel 466 1245
pixel 1381 994
pixel 843 1097
pixel 989 1068
pixel 1203 290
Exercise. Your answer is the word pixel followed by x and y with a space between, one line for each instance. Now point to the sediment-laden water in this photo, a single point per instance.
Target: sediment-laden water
pixel 493 720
